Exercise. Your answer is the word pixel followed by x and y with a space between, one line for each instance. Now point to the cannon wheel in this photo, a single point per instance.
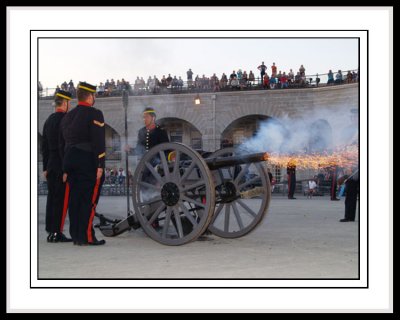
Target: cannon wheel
pixel 234 219
pixel 174 200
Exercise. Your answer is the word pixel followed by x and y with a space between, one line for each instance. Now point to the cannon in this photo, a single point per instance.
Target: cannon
pixel 178 198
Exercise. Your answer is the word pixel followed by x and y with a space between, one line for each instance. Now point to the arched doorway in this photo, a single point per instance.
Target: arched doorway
pixel 242 129
pixel 266 131
pixel 113 144
pixel 181 131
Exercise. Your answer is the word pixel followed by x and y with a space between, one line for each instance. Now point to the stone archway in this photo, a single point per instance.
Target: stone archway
pixel 242 129
pixel 182 131
pixel 320 136
pixel 254 126
pixel 113 143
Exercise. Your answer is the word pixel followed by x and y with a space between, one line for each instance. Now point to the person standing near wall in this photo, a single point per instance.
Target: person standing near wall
pixel 83 142
pixel 291 177
pixel 57 197
pixel 352 189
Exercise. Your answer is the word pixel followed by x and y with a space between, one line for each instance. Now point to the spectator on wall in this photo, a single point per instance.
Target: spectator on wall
pixel 349 77
pixel 290 76
pixel 189 74
pixel 284 81
pixel 302 71
pixel 274 69
pixel 266 81
pixel 223 81
pixel 339 77
pixel 251 77
pixel 263 69
pixel 330 77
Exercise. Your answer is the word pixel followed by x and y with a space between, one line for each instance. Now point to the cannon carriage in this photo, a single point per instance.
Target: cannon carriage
pixel 178 195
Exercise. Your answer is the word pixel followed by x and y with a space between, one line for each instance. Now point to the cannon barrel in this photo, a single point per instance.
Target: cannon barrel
pixel 217 163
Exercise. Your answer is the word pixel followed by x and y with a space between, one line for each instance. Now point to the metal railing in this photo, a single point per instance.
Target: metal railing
pixel 106 190
pixel 116 187
pixel 302 187
pixel 204 86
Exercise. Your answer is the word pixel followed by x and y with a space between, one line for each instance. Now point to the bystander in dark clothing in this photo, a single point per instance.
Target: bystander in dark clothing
pixel 262 67
pixel 291 176
pixel 270 176
pixel 352 189
pixel 333 175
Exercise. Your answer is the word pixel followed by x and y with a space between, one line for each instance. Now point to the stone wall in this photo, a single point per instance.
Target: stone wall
pixel 218 110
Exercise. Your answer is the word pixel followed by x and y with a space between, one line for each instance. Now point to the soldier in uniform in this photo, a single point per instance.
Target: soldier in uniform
pixel 148 137
pixel 83 142
pixel 333 172
pixel 291 176
pixel 352 189
pixel 57 197
pixel 151 134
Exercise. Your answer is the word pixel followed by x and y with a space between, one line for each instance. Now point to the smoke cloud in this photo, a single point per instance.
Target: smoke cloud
pixel 321 131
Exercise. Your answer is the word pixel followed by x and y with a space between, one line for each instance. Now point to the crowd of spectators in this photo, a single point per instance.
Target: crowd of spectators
pixel 114 176
pixel 267 78
pixel 69 87
pixel 350 77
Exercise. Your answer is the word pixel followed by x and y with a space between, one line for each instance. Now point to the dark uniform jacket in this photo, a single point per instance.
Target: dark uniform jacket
pixel 352 184
pixel 50 145
pixel 83 127
pixel 150 138
pixel 291 170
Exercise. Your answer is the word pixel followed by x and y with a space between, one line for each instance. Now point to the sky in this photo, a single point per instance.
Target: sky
pixel 96 60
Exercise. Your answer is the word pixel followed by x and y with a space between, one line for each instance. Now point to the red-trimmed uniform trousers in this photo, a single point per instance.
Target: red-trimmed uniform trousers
pixel 291 184
pixel 57 201
pixel 80 165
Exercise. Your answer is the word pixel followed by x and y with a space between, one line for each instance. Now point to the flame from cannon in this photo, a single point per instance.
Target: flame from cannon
pixel 343 157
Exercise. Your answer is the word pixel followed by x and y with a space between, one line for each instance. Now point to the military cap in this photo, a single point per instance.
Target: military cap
pixel 150 110
pixel 63 94
pixel 86 86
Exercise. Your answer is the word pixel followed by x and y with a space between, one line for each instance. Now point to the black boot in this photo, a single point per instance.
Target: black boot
pixel 78 243
pixel 60 237
pixel 96 242
pixel 50 237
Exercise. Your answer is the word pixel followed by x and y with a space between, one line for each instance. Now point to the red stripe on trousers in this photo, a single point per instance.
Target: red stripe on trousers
pixel 89 229
pixel 66 200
